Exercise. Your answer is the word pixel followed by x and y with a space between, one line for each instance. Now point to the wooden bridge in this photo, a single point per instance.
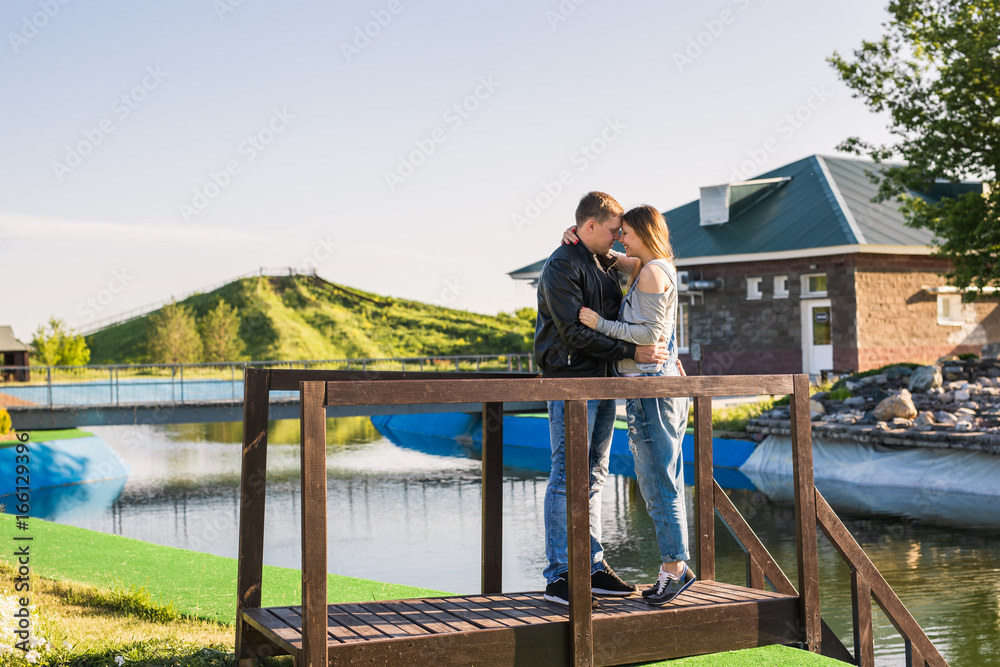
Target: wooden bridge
pixel 498 628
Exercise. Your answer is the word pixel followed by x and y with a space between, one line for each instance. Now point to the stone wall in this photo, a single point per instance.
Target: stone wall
pixel 739 336
pixel 897 319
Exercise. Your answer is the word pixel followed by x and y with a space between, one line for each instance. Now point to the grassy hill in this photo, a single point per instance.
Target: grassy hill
pixel 305 317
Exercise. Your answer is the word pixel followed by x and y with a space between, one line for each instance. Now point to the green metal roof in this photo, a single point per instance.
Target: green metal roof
pixel 827 203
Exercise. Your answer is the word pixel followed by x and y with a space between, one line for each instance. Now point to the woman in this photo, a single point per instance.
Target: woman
pixel 656 425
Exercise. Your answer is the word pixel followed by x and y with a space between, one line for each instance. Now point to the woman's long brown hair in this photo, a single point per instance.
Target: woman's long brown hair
pixel 649 225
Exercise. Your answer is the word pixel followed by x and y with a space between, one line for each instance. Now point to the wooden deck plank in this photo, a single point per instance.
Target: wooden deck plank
pixel 480 620
pixel 291 620
pixel 333 630
pixel 273 629
pixel 742 592
pixel 485 611
pixel 529 609
pixel 339 620
pixel 388 616
pixel 368 625
pixel 426 621
pixel 442 615
pixel 757 592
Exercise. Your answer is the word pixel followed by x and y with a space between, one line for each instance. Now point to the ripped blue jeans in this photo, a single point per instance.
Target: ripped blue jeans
pixel 656 428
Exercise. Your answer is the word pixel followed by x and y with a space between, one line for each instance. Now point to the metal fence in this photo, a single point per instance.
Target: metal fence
pixel 179 384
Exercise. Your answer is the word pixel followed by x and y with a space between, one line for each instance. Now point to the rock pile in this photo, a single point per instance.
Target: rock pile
pixel 954 395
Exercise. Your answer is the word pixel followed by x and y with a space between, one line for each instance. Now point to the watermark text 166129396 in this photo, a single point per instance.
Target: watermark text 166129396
pixel 22 544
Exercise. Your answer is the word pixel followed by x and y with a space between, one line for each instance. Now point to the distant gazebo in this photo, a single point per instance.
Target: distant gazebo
pixel 13 353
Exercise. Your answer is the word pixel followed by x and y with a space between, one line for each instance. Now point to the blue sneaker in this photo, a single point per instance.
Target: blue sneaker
pixel 667 587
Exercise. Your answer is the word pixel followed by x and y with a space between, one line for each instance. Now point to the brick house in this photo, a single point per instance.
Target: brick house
pixel 798 271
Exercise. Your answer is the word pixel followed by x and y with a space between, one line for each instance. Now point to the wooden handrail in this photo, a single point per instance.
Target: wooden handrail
pixel 868 583
pixel 320 389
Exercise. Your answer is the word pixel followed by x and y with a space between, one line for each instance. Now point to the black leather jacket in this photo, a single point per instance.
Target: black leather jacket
pixel 574 277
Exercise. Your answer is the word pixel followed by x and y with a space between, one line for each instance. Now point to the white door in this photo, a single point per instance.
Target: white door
pixel 817 339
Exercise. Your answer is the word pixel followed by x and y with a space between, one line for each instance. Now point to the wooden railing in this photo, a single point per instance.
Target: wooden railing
pixel 320 389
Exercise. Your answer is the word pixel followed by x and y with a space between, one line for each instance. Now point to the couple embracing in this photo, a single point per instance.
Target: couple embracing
pixel 585 328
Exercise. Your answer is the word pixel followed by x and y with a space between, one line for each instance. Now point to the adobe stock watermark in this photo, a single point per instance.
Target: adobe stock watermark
pixel 713 30
pixel 364 34
pixel 247 150
pixel 121 108
pixel 93 306
pixel 454 116
pixel 581 159
pixel 451 292
pixel 225 7
pixel 32 25
pixel 322 252
pixel 785 127
pixel 563 11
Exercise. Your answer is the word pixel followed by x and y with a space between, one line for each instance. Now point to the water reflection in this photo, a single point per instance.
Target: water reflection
pixel 412 515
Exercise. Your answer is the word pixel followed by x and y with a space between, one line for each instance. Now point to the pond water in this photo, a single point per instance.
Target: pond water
pixel 409 513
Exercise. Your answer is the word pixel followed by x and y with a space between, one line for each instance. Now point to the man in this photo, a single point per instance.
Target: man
pixel 575 276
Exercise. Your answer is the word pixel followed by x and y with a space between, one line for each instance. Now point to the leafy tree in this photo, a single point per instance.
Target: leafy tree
pixel 936 71
pixel 173 336
pixel 55 345
pixel 220 333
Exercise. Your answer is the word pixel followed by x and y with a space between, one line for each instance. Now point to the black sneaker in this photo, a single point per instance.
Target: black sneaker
pixel 606 582
pixel 558 592
pixel 667 588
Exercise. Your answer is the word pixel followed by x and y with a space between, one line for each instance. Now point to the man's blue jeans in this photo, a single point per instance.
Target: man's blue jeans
pixel 656 428
pixel 600 426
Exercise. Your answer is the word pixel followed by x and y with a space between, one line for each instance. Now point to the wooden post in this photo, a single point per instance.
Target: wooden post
pixel 577 448
pixel 861 594
pixel 805 513
pixel 253 482
pixel 704 488
pixel 755 574
pixel 312 411
pixel 492 568
pixel 913 657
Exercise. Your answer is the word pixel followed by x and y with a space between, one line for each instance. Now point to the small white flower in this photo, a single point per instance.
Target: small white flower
pixel 120 660
pixel 32 656
pixel 67 645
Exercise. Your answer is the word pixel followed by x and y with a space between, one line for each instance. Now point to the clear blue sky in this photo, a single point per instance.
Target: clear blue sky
pixel 149 149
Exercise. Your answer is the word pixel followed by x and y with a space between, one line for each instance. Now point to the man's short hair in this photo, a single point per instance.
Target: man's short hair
pixel 597 205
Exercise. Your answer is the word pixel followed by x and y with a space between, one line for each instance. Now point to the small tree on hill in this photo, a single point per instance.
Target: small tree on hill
pixel 172 336
pixel 220 333
pixel 55 345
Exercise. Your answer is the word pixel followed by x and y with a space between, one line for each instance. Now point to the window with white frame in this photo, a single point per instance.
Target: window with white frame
pixel 753 289
pixel 781 287
pixel 813 284
pixel 682 281
pixel 683 328
pixel 949 309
